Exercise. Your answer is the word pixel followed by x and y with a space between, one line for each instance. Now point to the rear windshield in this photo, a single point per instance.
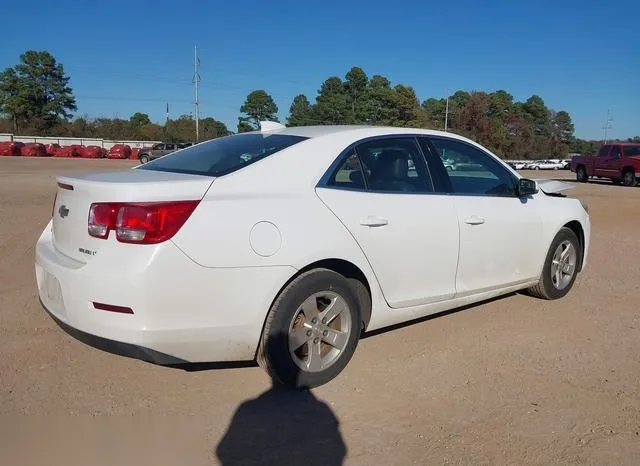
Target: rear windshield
pixel 223 155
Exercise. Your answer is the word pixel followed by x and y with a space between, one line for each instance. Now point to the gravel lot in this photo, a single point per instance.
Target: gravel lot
pixel 513 381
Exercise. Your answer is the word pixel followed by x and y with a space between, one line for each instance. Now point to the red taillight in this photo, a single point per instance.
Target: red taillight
pixel 139 223
pixel 102 219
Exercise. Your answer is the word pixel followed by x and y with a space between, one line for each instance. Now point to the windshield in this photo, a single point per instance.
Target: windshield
pixel 223 155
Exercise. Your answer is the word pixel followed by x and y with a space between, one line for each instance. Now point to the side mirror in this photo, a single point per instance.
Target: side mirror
pixel 527 187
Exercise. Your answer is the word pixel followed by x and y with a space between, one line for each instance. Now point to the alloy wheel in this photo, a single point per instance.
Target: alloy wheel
pixel 319 331
pixel 563 265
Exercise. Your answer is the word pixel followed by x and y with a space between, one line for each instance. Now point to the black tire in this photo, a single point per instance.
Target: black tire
pixel 629 178
pixel 274 355
pixel 144 159
pixel 581 174
pixel 545 289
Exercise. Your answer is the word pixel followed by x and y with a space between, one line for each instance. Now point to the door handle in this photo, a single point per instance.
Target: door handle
pixel 372 221
pixel 474 220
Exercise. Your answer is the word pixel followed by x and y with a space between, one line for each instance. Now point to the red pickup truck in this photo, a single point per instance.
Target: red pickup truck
pixel 618 162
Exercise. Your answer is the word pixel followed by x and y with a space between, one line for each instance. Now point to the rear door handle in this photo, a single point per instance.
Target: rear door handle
pixel 372 221
pixel 474 220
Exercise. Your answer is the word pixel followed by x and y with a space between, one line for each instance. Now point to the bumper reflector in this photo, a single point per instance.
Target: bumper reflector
pixel 112 308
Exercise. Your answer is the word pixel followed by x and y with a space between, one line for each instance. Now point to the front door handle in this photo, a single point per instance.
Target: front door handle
pixel 372 221
pixel 474 220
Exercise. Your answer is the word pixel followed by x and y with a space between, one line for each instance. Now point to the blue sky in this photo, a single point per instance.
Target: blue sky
pixel 128 56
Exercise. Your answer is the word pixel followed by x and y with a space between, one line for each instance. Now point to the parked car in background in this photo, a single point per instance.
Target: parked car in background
pixel 33 149
pixel 67 151
pixel 285 245
pixel 93 152
pixel 618 162
pixel 11 148
pixel 161 149
pixel 518 165
pixel 119 151
pixel 545 165
pixel 52 149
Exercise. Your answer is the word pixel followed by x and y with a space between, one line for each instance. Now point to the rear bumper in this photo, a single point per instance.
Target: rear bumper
pixel 116 347
pixel 182 312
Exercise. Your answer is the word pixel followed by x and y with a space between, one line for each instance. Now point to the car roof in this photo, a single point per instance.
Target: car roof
pixel 328 130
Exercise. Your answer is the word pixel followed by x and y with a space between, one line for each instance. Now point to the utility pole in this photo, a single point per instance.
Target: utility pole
pixel 167 111
pixel 196 81
pixel 607 126
pixel 446 113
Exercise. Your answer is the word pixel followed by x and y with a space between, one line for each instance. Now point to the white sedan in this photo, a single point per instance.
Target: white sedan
pixel 546 165
pixel 284 245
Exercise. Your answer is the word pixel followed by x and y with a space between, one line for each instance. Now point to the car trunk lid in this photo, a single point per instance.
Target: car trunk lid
pixel 76 193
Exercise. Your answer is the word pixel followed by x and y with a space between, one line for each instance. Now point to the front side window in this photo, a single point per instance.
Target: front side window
pixel 615 152
pixel 472 171
pixel 170 147
pixel 158 147
pixel 224 155
pixel 394 165
pixel 604 151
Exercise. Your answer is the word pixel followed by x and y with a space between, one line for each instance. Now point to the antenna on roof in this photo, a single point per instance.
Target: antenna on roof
pixel 270 125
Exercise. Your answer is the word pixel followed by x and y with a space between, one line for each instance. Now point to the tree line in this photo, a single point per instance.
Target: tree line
pixel 35 98
pixel 137 128
pixel 511 129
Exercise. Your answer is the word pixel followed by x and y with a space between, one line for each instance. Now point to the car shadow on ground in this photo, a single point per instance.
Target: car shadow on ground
pixel 282 426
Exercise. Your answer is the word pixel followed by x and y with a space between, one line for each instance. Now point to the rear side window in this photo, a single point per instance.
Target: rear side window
pixel 632 151
pixel 394 165
pixel 223 155
pixel 349 175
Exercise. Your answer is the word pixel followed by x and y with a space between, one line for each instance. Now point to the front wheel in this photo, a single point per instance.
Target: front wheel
pixel 144 159
pixel 312 330
pixel 560 266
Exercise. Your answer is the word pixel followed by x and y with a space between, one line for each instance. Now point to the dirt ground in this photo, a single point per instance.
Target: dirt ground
pixel 513 381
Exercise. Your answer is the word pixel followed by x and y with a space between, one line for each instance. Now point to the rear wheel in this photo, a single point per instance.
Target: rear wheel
pixel 560 267
pixel 581 174
pixel 312 330
pixel 629 178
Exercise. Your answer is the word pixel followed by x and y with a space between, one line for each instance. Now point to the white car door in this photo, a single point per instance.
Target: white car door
pixel 382 192
pixel 499 231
